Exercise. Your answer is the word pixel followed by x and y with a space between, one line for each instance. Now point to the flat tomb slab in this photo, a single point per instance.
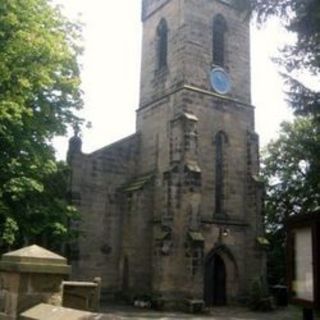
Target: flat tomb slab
pixel 48 312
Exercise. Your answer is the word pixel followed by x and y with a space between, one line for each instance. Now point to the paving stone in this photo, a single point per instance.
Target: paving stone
pixel 47 312
pixel 225 313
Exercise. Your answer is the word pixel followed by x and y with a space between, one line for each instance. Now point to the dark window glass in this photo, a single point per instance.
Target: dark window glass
pixel 220 142
pixel 219 30
pixel 162 33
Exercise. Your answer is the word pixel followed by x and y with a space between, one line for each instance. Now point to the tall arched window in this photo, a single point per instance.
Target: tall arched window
pixel 162 45
pixel 221 140
pixel 219 31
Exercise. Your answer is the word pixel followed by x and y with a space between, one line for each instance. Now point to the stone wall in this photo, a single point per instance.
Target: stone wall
pixel 157 83
pixel 190 52
pixel 149 202
pixel 96 182
pixel 198 53
pixel 241 199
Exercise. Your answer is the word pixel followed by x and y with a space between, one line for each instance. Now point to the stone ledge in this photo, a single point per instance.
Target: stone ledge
pixel 225 221
pixel 34 268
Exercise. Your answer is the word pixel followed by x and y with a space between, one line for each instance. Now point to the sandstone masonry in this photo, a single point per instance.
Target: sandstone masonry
pixel 174 211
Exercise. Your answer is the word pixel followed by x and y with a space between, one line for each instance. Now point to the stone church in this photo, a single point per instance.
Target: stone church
pixel 174 210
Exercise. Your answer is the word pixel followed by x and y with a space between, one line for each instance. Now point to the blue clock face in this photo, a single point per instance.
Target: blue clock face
pixel 220 81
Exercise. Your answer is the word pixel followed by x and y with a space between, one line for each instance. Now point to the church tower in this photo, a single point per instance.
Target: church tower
pixel 197 134
pixel 175 209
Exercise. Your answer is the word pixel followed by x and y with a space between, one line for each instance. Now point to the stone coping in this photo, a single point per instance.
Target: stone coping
pixel 34 268
pixel 80 284
pixel 34 259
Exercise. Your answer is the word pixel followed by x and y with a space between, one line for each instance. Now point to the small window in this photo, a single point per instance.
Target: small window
pixel 219 30
pixel 220 141
pixel 162 47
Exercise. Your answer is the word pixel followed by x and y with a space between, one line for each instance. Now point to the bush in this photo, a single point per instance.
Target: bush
pixel 260 300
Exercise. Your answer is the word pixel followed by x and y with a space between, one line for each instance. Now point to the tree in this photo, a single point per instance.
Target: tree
pixel 291 163
pixel 291 170
pixel 301 17
pixel 39 96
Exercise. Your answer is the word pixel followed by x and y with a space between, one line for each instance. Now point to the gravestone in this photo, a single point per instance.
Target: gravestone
pixel 30 276
pixel 82 295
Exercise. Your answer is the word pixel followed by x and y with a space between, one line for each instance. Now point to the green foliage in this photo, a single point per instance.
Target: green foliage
pixel 292 166
pixel 9 231
pixel 260 300
pixel 302 17
pixel 291 169
pixel 39 95
pixel 291 163
pixel 276 257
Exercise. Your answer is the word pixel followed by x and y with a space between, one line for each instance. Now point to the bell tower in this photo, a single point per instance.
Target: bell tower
pixel 193 36
pixel 196 124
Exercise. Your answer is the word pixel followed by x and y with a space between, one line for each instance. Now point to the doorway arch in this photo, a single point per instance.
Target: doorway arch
pixel 215 281
pixel 220 277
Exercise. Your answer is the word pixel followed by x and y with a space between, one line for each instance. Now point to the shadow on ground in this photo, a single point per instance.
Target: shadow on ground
pixel 225 313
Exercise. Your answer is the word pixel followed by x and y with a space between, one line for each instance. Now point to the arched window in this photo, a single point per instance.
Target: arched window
pixel 221 140
pixel 219 30
pixel 162 45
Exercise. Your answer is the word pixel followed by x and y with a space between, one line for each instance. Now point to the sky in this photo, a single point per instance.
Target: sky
pixel 111 72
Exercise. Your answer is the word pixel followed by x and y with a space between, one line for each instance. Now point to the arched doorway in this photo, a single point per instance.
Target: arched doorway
pixel 215 293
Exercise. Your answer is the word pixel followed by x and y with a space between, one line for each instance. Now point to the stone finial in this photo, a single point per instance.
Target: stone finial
pixel 75 143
